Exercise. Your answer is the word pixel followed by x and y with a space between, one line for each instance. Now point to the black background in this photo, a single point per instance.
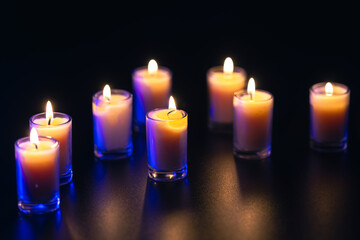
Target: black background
pixel 66 52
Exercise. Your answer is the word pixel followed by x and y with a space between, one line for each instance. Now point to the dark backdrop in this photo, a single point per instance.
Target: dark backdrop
pixel 67 52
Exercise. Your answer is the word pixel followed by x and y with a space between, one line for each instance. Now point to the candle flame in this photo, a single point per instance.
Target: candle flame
pixel 152 66
pixel 172 105
pixel 34 138
pixel 228 65
pixel 107 93
pixel 49 113
pixel 329 89
pixel 251 87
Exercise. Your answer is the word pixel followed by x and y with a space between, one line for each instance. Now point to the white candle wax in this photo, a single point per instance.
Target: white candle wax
pixel 112 121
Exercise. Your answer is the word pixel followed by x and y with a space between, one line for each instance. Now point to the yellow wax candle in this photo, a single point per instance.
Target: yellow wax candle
pixel 252 122
pixel 222 83
pixel 166 135
pixel 152 85
pixel 58 126
pixel 112 116
pixel 37 164
pixel 329 104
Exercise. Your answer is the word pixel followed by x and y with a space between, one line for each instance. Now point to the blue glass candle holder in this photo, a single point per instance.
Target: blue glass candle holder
pixel 167 144
pixel 61 130
pixel 252 124
pixel 112 123
pixel 151 90
pixel 37 171
pixel 329 117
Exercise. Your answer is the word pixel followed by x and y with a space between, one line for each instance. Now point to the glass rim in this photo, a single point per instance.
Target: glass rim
pixel 55 113
pixel 118 91
pixel 165 69
pixel 27 139
pixel 220 69
pixel 237 95
pixel 322 84
pixel 185 114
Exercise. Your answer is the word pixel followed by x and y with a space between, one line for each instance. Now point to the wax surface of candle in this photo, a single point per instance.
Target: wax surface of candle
pixel 38 171
pixel 329 113
pixel 60 129
pixel 253 117
pixel 112 122
pixel 221 88
pixel 151 90
pixel 167 139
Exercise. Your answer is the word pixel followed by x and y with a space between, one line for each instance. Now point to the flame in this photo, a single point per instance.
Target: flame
pixel 228 65
pixel 107 93
pixel 251 87
pixel 152 66
pixel 49 113
pixel 172 105
pixel 329 89
pixel 34 138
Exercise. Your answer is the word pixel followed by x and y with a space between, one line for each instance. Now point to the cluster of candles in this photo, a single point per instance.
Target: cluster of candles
pixel 44 160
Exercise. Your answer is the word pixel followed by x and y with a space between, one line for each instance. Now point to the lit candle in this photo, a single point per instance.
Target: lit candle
pixel 152 85
pixel 59 126
pixel 112 119
pixel 222 82
pixel 37 170
pixel 329 107
pixel 166 137
pixel 252 122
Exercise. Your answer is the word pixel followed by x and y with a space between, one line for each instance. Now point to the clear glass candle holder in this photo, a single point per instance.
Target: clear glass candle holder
pixel 252 124
pixel 37 175
pixel 166 139
pixel 151 91
pixel 221 88
pixel 329 117
pixel 61 130
pixel 112 123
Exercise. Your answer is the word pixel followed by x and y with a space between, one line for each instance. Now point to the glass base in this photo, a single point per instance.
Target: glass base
pixel 140 127
pixel 167 176
pixel 252 155
pixel 328 146
pixel 66 177
pixel 113 155
pixel 39 208
pixel 220 127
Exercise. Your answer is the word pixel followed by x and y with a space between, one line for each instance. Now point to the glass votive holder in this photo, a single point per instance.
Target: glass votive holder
pixel 151 90
pixel 221 88
pixel 37 175
pixel 112 123
pixel 60 129
pixel 252 124
pixel 329 108
pixel 166 138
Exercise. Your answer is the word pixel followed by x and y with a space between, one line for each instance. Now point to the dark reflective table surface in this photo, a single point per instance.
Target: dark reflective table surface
pixel 308 195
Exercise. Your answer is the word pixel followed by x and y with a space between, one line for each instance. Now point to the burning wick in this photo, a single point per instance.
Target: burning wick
pixel 34 138
pixel 49 112
pixel 251 88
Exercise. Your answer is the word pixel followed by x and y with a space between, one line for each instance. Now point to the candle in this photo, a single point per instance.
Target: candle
pixel 329 107
pixel 252 123
pixel 166 137
pixel 152 85
pixel 222 83
pixel 37 170
pixel 112 118
pixel 59 126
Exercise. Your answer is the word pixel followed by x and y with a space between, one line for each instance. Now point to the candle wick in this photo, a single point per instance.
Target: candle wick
pixel 49 122
pixel 36 146
pixel 171 112
pixel 251 96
